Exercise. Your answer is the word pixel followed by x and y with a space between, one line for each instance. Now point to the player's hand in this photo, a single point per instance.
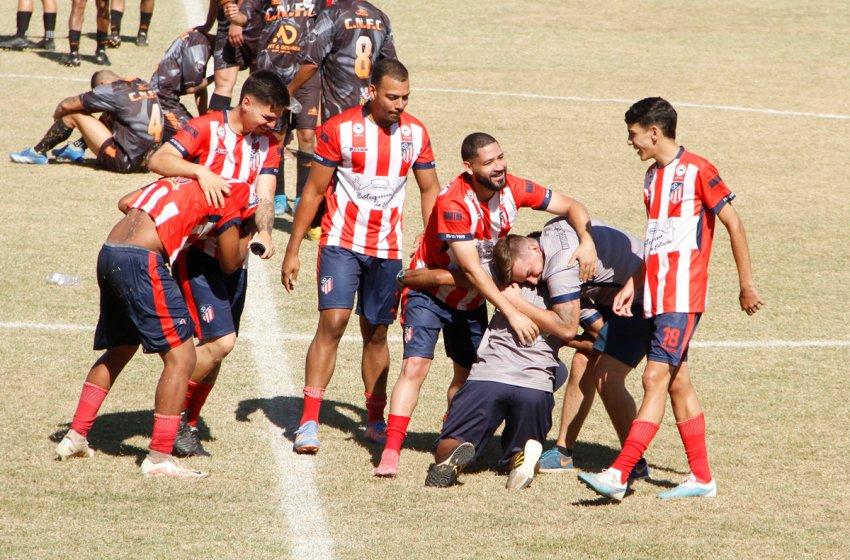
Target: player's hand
pixel 416 243
pixel 585 254
pixel 230 9
pixel 265 239
pixel 234 34
pixel 215 188
pixel 524 328
pixel 289 272
pixel 622 305
pixel 750 300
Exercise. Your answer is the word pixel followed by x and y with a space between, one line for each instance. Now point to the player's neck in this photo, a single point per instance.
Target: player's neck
pixel 481 192
pixel 234 120
pixel 665 151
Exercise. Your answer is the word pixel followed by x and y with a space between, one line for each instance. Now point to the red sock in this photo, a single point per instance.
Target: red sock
pixel 375 406
pixel 693 436
pixel 164 432
pixel 396 430
pixel 196 403
pixel 638 440
pixel 190 390
pixel 312 403
pixel 90 400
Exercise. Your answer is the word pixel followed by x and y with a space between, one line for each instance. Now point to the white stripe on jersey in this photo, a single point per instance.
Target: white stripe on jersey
pixel 159 192
pixel 687 220
pixel 213 144
pixel 168 211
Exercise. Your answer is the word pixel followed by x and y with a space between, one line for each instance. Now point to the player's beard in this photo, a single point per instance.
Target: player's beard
pixel 494 182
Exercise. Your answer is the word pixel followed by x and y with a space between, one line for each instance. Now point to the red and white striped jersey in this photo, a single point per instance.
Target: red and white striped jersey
pixel 682 200
pixel 366 196
pixel 459 216
pixel 209 141
pixel 182 215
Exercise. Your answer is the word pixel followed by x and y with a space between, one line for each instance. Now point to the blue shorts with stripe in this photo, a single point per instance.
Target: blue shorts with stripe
pixel 140 303
pixel 343 273
pixel 624 338
pixel 671 337
pixel 215 299
pixel 424 316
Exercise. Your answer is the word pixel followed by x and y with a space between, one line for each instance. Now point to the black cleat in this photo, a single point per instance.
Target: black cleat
pixel 16 44
pixel 188 442
pixel 142 39
pixel 114 41
pixel 73 59
pixel 45 44
pixel 445 474
pixel 101 58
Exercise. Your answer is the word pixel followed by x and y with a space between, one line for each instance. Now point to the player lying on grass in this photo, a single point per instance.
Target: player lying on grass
pixel 140 303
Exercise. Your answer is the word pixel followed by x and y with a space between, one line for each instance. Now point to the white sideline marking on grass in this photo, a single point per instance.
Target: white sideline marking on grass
pixel 51 78
pixel 357 340
pixel 630 101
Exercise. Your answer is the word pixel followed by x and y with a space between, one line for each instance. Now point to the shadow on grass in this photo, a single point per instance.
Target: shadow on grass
pixel 110 431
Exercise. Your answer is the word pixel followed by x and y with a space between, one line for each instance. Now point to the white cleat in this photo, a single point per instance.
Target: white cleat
pixel 74 445
pixel 171 467
pixel 524 465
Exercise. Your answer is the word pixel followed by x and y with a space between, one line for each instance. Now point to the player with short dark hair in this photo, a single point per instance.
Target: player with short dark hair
pixel 683 195
pixel 24 14
pixel 128 130
pixel 360 170
pixel 230 144
pixel 141 304
pixel 473 211
pixel 182 71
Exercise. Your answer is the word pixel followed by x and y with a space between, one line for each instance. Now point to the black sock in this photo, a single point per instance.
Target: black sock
pixel 305 161
pixel 49 25
pixel 80 143
pixel 281 183
pixel 74 40
pixel 565 451
pixel 102 37
pixel 57 133
pixel 145 21
pixel 218 102
pixel 115 17
pixel 23 22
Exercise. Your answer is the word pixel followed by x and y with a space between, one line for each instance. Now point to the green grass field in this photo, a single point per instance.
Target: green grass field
pixel 761 89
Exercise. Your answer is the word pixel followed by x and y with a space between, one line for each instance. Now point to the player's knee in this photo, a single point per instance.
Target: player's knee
pixel 655 380
pixel 415 369
pixel 219 348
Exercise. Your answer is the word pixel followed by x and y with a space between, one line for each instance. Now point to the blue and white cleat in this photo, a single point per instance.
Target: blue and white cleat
pixel 68 152
pixel 28 155
pixel 307 438
pixel 553 461
pixel 691 488
pixel 640 471
pixel 607 483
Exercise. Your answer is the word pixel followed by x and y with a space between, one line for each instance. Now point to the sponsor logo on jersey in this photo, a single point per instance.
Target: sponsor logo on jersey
pixel 452 216
pixel 220 131
pixel 676 190
pixel 363 23
pixel 379 192
pixel 681 169
pixel 358 128
pixel 207 313
pixel 326 284
pixel 358 149
pixel 405 130
pixel 407 151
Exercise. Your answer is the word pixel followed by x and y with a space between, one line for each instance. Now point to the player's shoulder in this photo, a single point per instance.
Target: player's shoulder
pixel 690 158
pixel 409 120
pixel 519 184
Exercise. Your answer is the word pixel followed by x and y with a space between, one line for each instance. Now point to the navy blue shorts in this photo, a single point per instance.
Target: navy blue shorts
pixel 424 316
pixel 671 336
pixel 215 299
pixel 140 302
pixel 479 408
pixel 342 273
pixel 625 338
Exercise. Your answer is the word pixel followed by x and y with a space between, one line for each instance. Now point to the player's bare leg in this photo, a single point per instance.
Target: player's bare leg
pixel 611 382
pixel 459 376
pixel 102 32
pixel 321 361
pixel 225 81
pixel 145 16
pixel 75 26
pixel 93 131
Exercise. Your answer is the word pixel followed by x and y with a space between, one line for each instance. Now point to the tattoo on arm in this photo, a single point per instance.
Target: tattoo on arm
pixel 264 216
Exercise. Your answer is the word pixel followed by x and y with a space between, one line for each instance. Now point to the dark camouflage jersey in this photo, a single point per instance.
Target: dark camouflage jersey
pixel 135 114
pixel 284 33
pixel 182 66
pixel 347 39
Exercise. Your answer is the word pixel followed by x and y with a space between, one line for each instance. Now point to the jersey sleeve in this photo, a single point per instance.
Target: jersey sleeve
pixel 561 280
pixel 190 139
pixel 327 150
pixel 426 156
pixel 453 221
pixel 271 165
pixel 101 98
pixel 234 208
pixel 388 48
pixel 194 61
pixel 529 194
pixel 711 189
pixel 320 38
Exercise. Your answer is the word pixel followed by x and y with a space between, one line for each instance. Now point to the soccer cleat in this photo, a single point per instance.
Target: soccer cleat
pixel 68 152
pixel 114 41
pixel 525 462
pixel 640 470
pixel 314 233
pixel 376 431
pixel 307 438
pixel 445 474
pixel 47 44
pixel 101 58
pixel 553 461
pixel 28 155
pixel 188 442
pixel 73 60
pixel 281 204
pixel 16 44
pixel 169 467
pixel 142 39
pixel 388 467
pixel 295 202
pixel 607 483
pixel 74 445
pixel 691 488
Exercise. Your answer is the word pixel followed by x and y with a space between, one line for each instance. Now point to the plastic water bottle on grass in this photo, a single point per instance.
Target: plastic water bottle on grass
pixel 63 279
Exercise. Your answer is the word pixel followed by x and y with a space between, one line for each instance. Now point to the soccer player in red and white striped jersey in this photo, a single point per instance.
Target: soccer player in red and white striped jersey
pixel 360 168
pixel 470 215
pixel 683 194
